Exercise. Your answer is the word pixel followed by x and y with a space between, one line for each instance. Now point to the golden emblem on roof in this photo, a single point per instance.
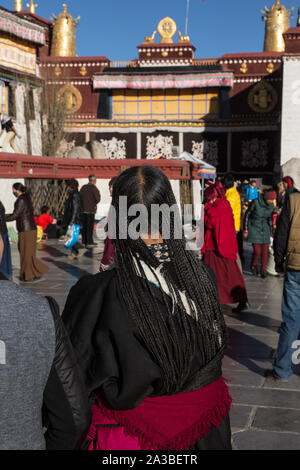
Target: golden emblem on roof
pixel 167 29
pixel 71 97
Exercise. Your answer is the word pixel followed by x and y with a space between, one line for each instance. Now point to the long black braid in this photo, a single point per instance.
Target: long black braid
pixel 169 334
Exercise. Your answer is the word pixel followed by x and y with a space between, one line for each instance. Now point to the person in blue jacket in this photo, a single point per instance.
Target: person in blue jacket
pixel 251 191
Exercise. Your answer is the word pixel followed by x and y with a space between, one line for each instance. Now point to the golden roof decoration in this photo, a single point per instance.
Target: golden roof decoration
pixel 167 29
pixel 277 23
pixel 64 34
pixel 18 5
pixel 32 6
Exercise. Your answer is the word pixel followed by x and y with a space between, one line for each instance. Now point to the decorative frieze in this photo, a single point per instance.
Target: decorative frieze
pixel 114 148
pixel 160 146
pixel 254 153
pixel 206 150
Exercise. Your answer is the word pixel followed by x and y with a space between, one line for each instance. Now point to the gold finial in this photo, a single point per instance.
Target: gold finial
pixel 167 28
pixel 277 23
pixel 64 34
pixel 183 38
pixel 150 39
pixel 298 22
pixel 18 5
pixel 32 6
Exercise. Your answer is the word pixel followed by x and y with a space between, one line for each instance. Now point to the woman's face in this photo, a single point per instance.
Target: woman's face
pixel 281 188
pixel 16 193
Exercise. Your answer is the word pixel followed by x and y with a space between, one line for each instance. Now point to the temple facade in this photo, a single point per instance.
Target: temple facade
pixel 238 112
pixel 224 110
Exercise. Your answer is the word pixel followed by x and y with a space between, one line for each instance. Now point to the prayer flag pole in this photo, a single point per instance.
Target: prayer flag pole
pixel 187 15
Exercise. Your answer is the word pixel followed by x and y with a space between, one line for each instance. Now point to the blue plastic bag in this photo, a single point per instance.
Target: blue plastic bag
pixel 73 236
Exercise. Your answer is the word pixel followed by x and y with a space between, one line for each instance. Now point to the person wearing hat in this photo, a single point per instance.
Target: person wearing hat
pixel 258 227
pixel 220 248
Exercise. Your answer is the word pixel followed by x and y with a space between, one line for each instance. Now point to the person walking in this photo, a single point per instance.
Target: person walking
pixel 41 384
pixel 90 196
pixel 220 248
pixel 73 217
pixel 287 258
pixel 252 191
pixel 5 264
pixel 258 227
pixel 11 133
pixel 156 323
pixel 31 267
pixel 234 199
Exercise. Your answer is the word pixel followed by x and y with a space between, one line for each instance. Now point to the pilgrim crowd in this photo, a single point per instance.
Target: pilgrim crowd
pixel 135 360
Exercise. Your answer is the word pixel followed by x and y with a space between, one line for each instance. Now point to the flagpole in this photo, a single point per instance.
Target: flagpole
pixel 187 16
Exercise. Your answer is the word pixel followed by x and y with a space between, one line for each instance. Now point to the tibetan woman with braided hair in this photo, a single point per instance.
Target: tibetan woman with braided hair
pixel 149 334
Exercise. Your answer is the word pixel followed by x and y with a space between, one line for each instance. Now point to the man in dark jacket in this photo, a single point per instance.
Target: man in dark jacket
pixel 38 371
pixel 90 196
pixel 287 252
pixel 73 216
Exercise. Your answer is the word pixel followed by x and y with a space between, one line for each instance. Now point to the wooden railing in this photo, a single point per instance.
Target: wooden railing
pixel 27 166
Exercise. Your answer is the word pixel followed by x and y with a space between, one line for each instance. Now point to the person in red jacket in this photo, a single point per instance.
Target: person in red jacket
pixel 220 248
pixel 47 223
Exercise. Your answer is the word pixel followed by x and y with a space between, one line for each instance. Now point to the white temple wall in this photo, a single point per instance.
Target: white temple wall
pixel 20 124
pixel 290 135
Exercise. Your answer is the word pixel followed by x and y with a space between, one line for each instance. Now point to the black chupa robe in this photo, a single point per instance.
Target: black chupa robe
pixel 114 359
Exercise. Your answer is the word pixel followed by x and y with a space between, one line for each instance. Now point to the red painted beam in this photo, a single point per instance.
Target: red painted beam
pixel 27 166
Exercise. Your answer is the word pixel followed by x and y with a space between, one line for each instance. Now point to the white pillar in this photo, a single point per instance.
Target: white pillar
pixel 139 145
pixel 181 142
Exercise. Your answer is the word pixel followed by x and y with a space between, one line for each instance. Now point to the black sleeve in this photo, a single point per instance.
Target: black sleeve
pixel 76 208
pixel 282 234
pixel 66 407
pixel 249 211
pixel 18 209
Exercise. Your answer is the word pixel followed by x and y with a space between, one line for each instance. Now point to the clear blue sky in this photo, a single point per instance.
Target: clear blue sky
pixel 114 28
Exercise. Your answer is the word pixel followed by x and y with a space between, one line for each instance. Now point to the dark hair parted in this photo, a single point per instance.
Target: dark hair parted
pixel 171 334
pixel 20 187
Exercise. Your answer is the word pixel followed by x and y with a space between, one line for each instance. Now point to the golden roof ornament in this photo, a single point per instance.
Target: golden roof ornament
pixel 277 23
pixel 32 6
pixel 167 28
pixel 183 38
pixel 18 5
pixel 150 39
pixel 298 22
pixel 64 34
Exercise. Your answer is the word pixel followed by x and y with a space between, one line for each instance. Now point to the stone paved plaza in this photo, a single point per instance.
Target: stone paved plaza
pixel 265 415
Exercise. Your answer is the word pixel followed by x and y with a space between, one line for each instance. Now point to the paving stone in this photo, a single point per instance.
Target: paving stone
pixel 264 440
pixel 265 397
pixel 239 416
pixel 278 419
pixel 245 377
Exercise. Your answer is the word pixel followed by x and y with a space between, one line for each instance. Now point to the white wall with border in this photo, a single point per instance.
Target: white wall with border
pixel 290 132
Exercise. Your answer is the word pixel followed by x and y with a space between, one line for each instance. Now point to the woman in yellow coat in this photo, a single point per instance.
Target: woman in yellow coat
pixel 234 200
